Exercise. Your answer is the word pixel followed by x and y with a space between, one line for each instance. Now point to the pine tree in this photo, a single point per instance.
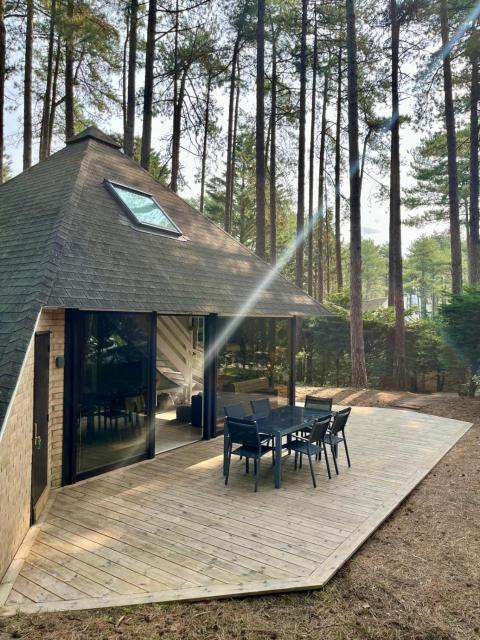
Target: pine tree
pixel 456 250
pixel 395 236
pixel 129 134
pixel 260 132
pixel 148 86
pixel 301 151
pixel 359 371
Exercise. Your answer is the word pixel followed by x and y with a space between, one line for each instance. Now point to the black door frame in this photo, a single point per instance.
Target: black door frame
pixel 210 377
pixel 35 435
pixel 71 398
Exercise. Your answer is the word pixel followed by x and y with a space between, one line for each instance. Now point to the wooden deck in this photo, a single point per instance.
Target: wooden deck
pixel 168 529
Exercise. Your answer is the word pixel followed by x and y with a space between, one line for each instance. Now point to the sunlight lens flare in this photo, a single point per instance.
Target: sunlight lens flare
pixel 231 326
pixel 455 39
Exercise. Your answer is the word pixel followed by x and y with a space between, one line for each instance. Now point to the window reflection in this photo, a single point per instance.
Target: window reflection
pixel 113 389
pixel 253 364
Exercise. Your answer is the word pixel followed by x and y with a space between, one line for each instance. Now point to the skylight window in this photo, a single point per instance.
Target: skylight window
pixel 143 208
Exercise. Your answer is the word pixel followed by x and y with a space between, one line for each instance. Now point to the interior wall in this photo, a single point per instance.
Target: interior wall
pixel 16 441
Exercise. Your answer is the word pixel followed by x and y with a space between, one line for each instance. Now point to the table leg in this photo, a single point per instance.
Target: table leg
pixel 278 460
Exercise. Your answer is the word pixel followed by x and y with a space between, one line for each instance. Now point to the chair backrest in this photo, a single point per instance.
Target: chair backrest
pixel 261 406
pixel 234 411
pixel 323 404
pixel 319 430
pixel 340 420
pixel 244 432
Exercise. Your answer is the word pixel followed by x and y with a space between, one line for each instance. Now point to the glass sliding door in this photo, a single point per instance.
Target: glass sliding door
pixel 113 387
pixel 179 381
pixel 253 363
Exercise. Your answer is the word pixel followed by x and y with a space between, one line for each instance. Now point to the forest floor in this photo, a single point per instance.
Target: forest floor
pixel 417 577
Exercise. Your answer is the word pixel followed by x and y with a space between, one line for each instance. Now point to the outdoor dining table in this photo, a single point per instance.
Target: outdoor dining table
pixel 280 422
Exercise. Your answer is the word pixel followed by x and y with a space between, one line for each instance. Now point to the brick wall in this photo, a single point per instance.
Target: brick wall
pixel 53 320
pixel 16 442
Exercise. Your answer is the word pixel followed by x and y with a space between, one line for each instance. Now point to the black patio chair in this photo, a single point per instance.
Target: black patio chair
pixel 336 435
pixel 322 404
pixel 234 411
pixel 244 432
pixel 237 411
pixel 261 407
pixel 312 446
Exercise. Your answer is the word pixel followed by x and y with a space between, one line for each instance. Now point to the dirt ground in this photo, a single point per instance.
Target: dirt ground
pixel 417 577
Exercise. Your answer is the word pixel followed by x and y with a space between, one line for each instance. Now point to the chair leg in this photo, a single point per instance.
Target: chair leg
pixel 229 457
pixel 296 461
pixel 312 472
pixel 335 460
pixel 247 465
pixel 346 450
pixel 301 460
pixel 328 464
pixel 257 471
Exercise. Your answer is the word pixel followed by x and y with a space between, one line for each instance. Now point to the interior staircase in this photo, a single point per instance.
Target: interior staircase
pixel 178 362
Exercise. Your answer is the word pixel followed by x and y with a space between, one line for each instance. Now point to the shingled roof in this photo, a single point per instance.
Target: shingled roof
pixel 66 242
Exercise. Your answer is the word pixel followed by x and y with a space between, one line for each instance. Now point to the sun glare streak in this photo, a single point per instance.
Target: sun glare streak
pixel 248 305
pixel 454 40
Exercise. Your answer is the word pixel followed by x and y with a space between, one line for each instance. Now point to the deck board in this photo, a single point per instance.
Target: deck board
pixel 169 529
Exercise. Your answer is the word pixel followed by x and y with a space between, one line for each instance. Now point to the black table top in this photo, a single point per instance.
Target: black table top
pixel 287 419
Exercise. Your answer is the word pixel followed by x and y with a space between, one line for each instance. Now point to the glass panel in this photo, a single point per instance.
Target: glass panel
pixel 113 388
pixel 145 209
pixel 179 414
pixel 253 364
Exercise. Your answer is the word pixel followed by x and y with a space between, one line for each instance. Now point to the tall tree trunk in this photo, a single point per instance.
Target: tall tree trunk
pixel 321 195
pixel 299 273
pixel 69 106
pixel 53 108
pixel 233 167
pixel 338 239
pixel 177 130
pixel 359 370
pixel 273 158
pixel 47 98
pixel 148 87
pixel 177 108
pixel 206 126
pixel 2 84
pixel 260 133
pixel 27 89
pixel 455 242
pixel 327 237
pixel 395 239
pixel 132 69
pixel 312 160
pixel 231 109
pixel 474 239
pixel 124 74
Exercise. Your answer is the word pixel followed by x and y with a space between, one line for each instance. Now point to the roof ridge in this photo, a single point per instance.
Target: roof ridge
pixel 66 226
pixel 32 168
